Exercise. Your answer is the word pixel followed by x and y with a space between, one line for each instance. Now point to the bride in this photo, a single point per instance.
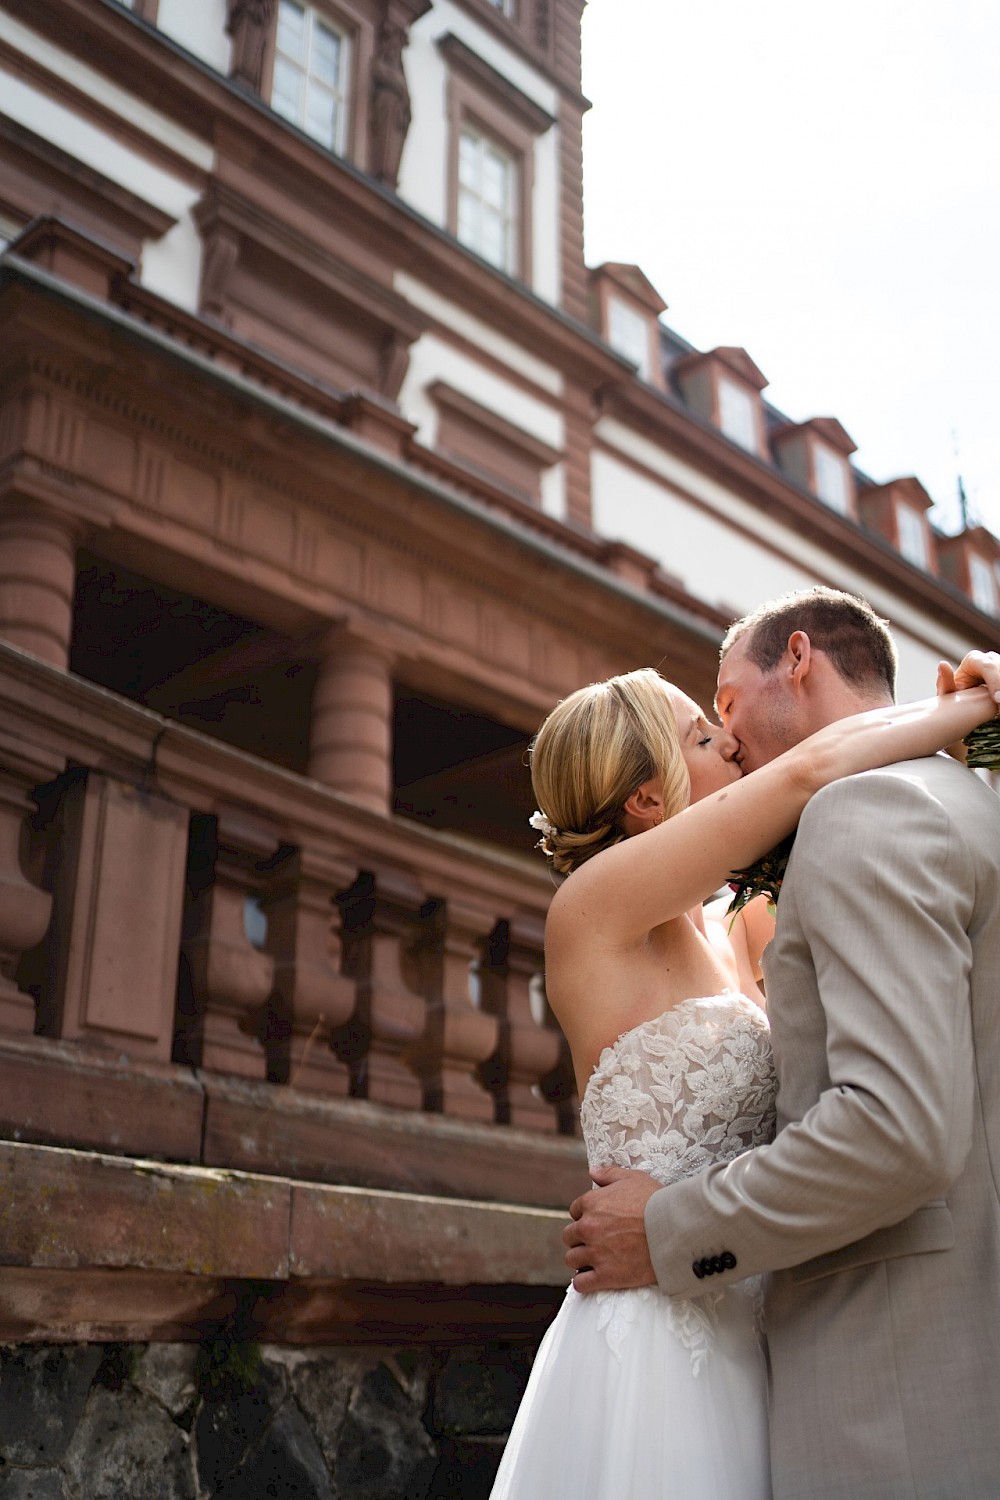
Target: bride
pixel 635 1394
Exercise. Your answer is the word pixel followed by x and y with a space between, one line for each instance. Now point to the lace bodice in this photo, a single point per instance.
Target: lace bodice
pixel 672 1096
pixel 693 1087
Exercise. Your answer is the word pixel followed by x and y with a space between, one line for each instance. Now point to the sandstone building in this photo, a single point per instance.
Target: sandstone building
pixel 326 466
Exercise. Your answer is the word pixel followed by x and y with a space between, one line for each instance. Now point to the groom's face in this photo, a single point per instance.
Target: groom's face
pixel 758 708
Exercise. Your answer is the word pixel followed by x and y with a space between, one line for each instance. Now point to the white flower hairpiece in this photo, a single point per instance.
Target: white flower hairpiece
pixel 541 824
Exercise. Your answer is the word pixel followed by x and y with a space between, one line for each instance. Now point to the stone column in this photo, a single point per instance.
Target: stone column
pixel 351 735
pixel 37 578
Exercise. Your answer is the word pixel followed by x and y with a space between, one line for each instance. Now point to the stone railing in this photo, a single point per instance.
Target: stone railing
pixel 205 959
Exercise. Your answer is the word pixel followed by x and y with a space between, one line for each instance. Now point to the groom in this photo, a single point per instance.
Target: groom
pixel 876 1208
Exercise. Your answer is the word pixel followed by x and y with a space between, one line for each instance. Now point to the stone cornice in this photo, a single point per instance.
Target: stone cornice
pixel 449 525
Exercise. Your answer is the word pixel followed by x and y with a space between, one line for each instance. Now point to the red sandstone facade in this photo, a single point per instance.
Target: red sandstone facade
pixel 282 600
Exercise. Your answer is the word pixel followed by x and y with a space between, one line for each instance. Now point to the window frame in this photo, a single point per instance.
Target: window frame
pixel 355 25
pixel 826 461
pixel 911 524
pixel 481 100
pixel 728 387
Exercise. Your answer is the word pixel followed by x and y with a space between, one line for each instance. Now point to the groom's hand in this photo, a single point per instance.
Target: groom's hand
pixel 607 1239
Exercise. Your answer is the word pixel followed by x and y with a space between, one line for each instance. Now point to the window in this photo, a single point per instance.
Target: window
pixel 738 415
pixel 831 478
pixel 983 589
pixel 505 7
pixel 487 199
pixel 310 81
pixel 628 333
pixel 912 533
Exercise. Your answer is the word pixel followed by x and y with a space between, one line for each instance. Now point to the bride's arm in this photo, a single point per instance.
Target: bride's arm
pixel 658 875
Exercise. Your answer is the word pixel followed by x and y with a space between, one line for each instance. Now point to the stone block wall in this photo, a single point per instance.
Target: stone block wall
pixel 238 1421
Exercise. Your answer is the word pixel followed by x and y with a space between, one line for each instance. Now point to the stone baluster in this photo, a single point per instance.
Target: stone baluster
pixel 37 578
pixel 25 909
pixel 226 980
pixel 529 1048
pixel 351 731
pixel 458 1036
pixel 381 917
pixel 311 998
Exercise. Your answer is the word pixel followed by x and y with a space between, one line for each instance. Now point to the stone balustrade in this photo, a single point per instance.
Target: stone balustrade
pixel 208 959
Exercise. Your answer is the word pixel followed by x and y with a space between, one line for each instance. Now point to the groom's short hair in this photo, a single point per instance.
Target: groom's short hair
pixel 843 626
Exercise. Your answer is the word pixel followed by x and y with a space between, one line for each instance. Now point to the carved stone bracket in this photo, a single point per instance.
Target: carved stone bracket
pixel 389 104
pixel 458 1036
pixel 249 23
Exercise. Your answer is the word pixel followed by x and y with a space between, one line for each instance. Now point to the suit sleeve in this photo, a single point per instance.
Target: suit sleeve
pixel 883 895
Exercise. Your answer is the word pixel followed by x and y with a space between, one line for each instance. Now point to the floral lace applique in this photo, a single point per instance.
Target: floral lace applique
pixel 672 1096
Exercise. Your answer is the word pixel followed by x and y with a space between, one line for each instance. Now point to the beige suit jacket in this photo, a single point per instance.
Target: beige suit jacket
pixel 877 1205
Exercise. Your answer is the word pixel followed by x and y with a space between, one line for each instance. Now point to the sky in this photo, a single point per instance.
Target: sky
pixel 820 184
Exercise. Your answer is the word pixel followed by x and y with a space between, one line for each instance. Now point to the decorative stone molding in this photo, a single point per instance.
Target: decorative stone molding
pixel 389 104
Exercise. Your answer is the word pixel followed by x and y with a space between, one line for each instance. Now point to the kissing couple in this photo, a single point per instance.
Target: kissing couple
pixel 787 1278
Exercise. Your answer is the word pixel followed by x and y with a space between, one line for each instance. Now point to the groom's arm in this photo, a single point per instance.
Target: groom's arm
pixel 887 881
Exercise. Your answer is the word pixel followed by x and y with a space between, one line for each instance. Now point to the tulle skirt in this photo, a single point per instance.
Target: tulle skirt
pixel 637 1396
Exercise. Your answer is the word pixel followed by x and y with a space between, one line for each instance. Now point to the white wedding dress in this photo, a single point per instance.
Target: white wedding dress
pixel 636 1395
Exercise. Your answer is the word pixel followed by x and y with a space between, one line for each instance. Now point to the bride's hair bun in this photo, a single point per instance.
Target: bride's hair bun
pixel 594 750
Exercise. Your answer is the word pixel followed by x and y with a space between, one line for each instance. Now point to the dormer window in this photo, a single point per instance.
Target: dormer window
pixel 982 585
pixel 832 479
pixel 912 531
pixel 723 387
pixel 738 414
pixel 628 334
pixel 310 81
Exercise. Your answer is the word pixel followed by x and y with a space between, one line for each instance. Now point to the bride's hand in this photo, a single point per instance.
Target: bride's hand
pixel 974 668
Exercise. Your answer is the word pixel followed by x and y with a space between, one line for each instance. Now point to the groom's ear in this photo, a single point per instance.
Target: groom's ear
pixel 798 655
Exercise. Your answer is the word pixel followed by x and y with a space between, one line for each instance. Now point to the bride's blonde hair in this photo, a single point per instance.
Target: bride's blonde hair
pixel 594 750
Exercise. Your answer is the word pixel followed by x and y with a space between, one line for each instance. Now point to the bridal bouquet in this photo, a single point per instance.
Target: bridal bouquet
pixel 764 876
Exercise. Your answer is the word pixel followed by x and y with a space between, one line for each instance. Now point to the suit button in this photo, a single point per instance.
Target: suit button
pixel 699 1269
pixel 728 1260
pixel 717 1265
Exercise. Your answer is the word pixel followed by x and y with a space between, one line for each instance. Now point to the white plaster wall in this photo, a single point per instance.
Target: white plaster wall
pixel 432 359
pixel 200 27
pixel 475 331
pixel 546 281
pixel 172 265
pixel 423 179
pixel 734 569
